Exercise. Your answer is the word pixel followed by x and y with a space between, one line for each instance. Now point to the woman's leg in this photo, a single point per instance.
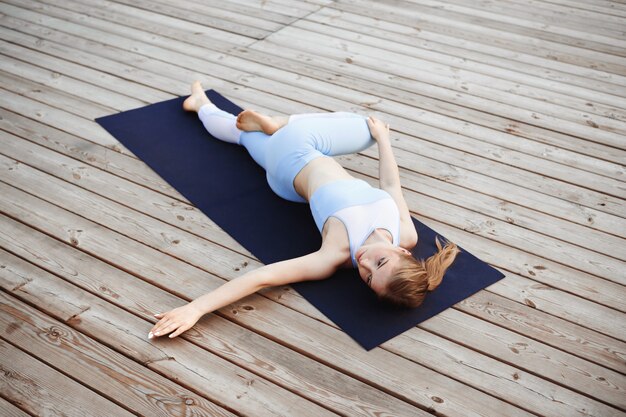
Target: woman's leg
pixel 222 125
pixel 219 123
pixel 250 120
pixel 337 133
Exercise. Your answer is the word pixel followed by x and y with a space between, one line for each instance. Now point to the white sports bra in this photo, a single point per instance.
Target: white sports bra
pixel 360 207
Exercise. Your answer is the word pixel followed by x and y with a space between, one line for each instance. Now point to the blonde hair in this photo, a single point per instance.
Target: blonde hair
pixel 413 278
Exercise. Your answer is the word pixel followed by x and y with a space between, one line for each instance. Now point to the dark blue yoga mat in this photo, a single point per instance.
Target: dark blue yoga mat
pixel 225 183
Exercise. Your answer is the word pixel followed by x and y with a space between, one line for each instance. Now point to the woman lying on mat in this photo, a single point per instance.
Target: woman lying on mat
pixel 362 227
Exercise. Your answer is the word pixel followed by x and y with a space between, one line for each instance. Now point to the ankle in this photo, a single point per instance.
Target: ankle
pixel 202 102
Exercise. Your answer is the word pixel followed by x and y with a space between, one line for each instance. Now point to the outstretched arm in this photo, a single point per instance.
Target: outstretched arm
pixel 316 265
pixel 389 179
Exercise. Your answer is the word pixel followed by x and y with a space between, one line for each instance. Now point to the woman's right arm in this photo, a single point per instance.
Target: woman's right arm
pixel 316 265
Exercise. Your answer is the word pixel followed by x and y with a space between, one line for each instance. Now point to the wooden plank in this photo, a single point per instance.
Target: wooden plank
pixel 42 390
pixel 537 358
pixel 58 118
pixel 398 62
pixel 515 26
pixel 552 12
pixel 87 152
pixel 106 99
pixel 288 7
pixel 326 345
pixel 564 82
pixel 9 410
pixel 113 227
pixel 209 16
pixel 607 7
pixel 125 382
pixel 176 79
pixel 550 329
pixel 587 58
pixel 175 28
pixel 54 100
pixel 571 17
pixel 61 60
pixel 557 70
pixel 540 396
pixel 516 21
pixel 73 105
pixel 175 72
pixel 258 15
pixel 215 18
pixel 172 211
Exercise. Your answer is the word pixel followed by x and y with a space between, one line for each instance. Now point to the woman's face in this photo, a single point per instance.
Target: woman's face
pixel 376 262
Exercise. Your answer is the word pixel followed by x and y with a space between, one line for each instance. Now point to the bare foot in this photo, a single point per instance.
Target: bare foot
pixel 197 98
pixel 249 120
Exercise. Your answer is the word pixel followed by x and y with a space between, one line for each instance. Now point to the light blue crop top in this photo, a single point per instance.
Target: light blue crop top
pixel 361 207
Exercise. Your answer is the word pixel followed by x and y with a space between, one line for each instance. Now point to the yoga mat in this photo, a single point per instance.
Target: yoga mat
pixel 225 183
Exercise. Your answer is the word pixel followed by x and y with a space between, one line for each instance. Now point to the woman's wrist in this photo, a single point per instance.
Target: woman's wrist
pixel 383 138
pixel 196 308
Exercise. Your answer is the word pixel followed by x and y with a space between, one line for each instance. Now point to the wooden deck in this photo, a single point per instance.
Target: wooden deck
pixel 509 120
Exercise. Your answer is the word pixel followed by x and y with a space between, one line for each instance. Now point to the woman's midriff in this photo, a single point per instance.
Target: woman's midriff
pixel 316 173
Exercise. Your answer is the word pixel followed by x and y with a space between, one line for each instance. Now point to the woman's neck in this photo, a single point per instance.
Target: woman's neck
pixel 379 235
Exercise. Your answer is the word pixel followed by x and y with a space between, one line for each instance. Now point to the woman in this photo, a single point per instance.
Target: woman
pixel 362 227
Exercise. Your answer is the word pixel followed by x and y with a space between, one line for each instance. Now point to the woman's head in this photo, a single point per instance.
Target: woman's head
pixel 377 262
pixel 397 277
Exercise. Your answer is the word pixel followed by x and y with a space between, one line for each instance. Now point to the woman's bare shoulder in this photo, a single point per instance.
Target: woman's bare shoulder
pixel 335 241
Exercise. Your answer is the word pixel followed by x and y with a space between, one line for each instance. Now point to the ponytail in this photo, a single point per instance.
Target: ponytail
pixel 413 278
pixel 437 264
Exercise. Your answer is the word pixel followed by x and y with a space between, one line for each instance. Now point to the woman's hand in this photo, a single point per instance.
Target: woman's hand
pixel 179 319
pixel 378 129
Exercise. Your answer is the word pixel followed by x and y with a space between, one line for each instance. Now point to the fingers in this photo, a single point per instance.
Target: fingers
pixel 178 327
pixel 178 331
pixel 159 328
pixel 375 121
pixel 168 322
pixel 168 329
pixel 163 327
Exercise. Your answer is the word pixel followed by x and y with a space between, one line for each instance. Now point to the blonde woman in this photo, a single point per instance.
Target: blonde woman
pixel 362 227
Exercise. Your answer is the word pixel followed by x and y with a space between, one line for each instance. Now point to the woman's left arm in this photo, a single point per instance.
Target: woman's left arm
pixel 389 180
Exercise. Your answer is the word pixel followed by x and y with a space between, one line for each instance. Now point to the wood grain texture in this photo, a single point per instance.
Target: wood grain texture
pixel 508 124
